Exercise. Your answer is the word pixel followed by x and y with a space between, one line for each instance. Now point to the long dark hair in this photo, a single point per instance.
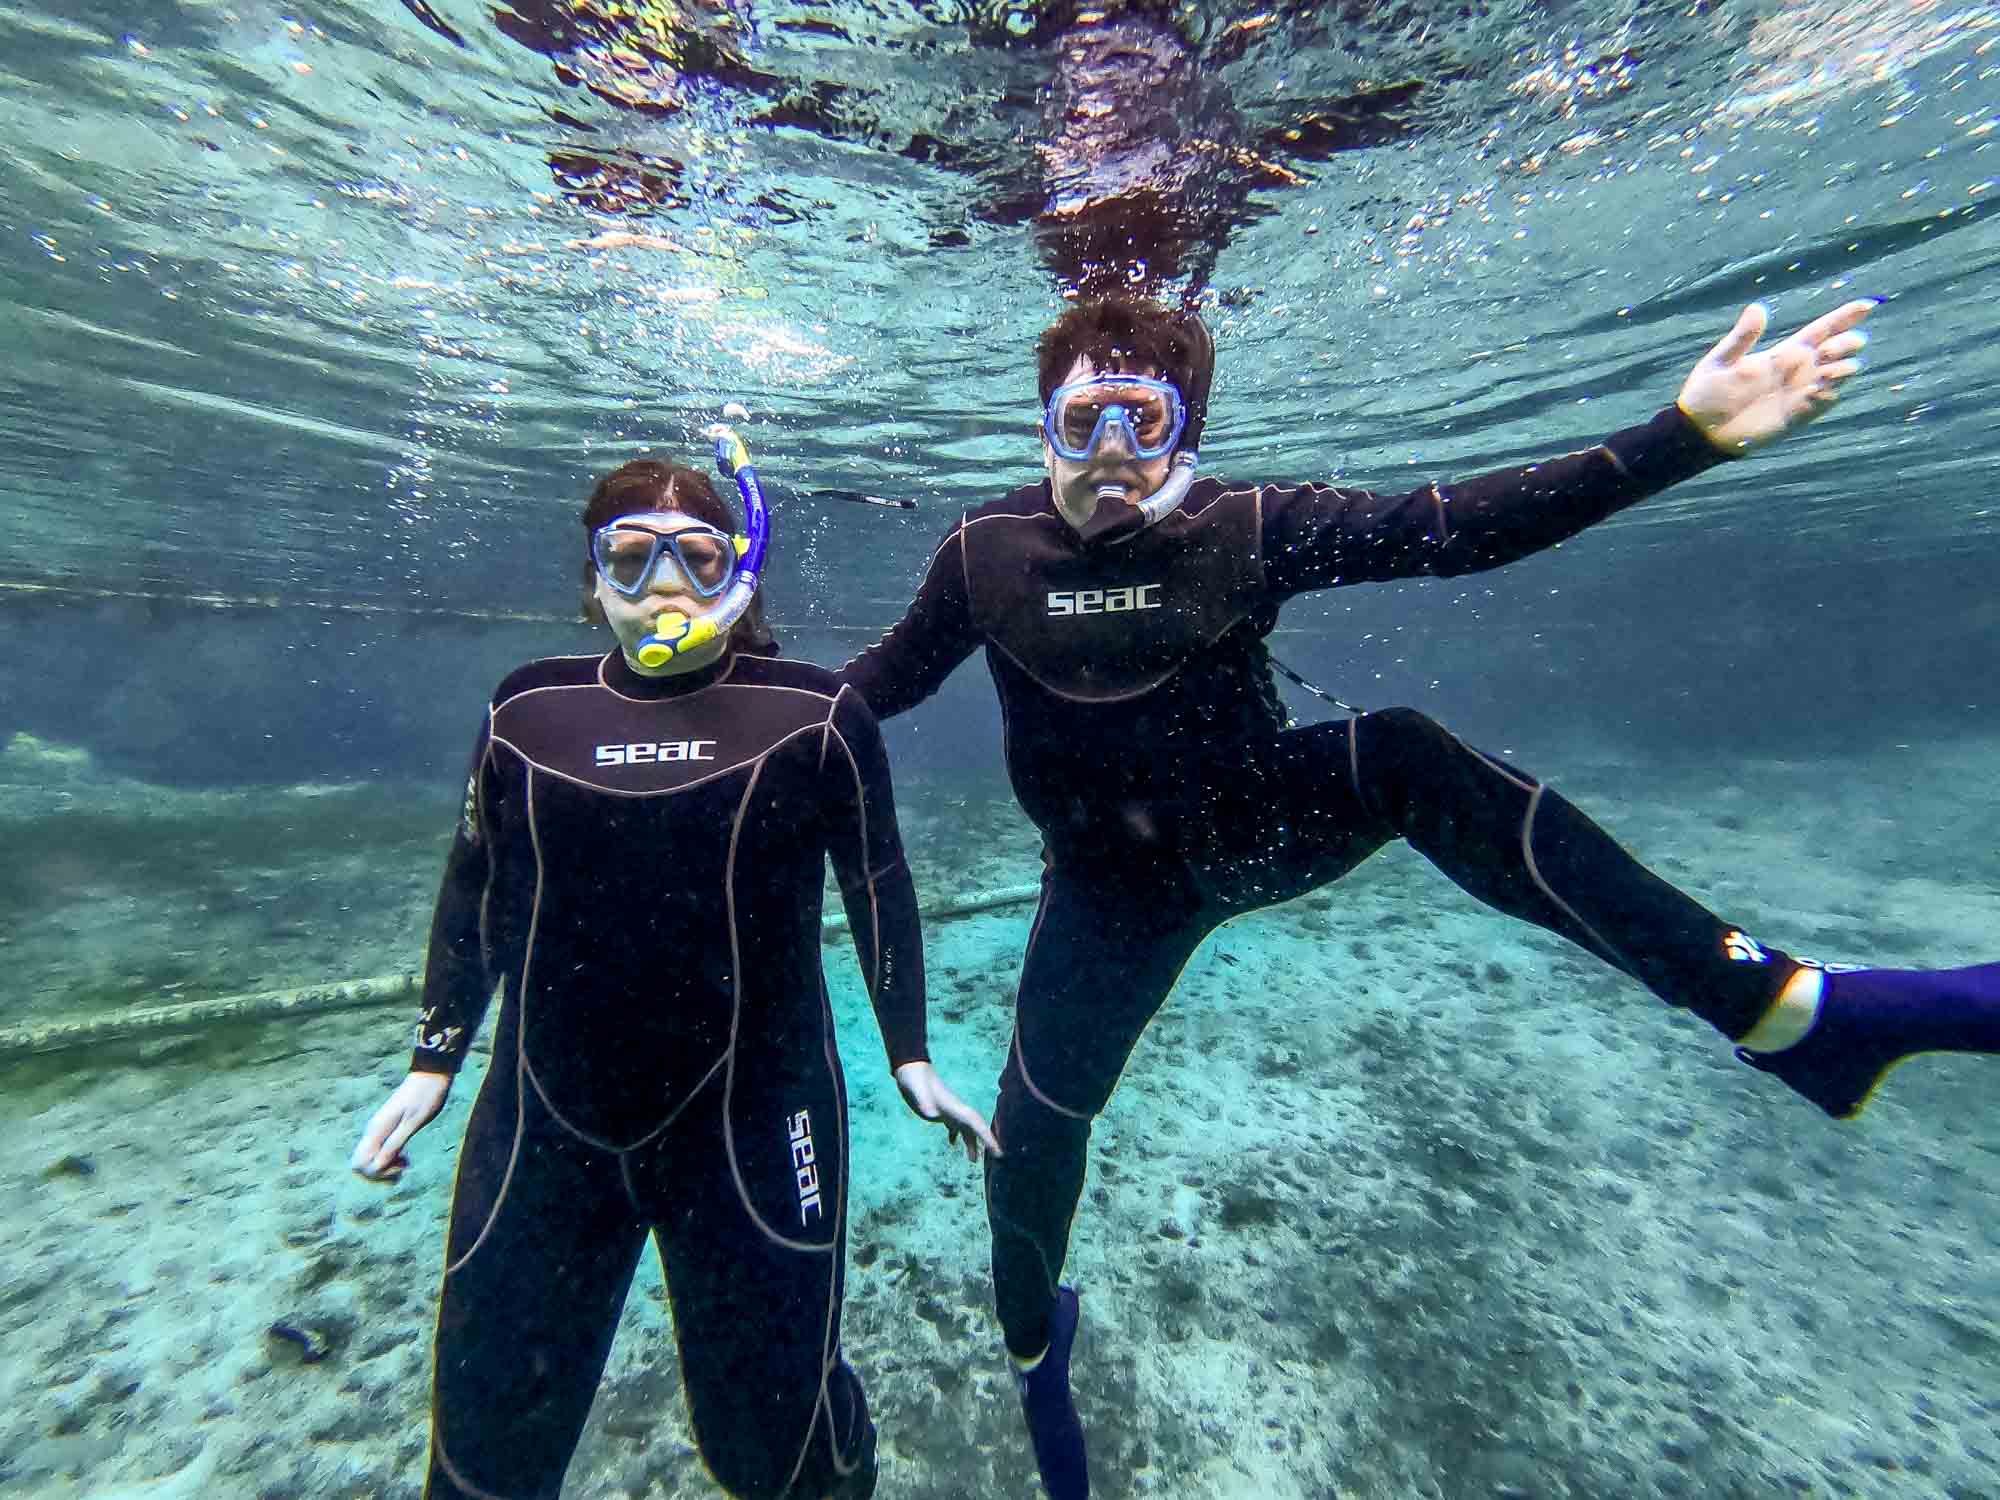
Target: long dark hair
pixel 655 484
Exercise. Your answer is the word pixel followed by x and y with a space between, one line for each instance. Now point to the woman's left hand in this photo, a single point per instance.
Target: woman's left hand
pixel 926 1093
pixel 1740 399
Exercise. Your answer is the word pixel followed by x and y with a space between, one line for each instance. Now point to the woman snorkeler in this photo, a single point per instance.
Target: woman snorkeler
pixel 640 862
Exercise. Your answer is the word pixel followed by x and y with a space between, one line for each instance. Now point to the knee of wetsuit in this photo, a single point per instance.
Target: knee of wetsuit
pixel 1399 737
pixel 1403 722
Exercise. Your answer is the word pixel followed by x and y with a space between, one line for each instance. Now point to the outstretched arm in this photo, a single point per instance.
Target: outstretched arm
pixel 1740 397
pixel 1317 536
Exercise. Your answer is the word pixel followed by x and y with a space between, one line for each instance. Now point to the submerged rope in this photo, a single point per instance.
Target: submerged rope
pixel 346 994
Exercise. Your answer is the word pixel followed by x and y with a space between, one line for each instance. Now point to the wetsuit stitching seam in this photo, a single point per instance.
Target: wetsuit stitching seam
pixel 735 1025
pixel 678 1110
pixel 1525 783
pixel 1616 462
pixel 666 791
pixel 1444 520
pixel 827 1349
pixel 520 1040
pixel 600 1142
pixel 1056 692
pixel 458 1478
pixel 492 872
pixel 861 814
pixel 1255 492
pixel 1021 1061
pixel 964 563
pixel 631 1191
pixel 1001 1220
pixel 1604 949
pixel 771 687
pixel 524 1063
pixel 871 876
pixel 1257 536
pixel 506 1178
pixel 1027 957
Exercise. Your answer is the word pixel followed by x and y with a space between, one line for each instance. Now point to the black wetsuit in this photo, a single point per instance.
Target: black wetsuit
pixel 1146 740
pixel 641 863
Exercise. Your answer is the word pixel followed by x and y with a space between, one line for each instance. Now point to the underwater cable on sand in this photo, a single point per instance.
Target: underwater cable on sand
pixel 350 994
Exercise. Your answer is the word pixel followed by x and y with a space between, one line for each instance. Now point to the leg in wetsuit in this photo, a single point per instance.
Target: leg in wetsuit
pixel 1267 823
pixel 546 1229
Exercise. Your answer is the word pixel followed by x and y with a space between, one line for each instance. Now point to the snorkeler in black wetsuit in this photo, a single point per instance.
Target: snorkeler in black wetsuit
pixel 640 862
pixel 1123 607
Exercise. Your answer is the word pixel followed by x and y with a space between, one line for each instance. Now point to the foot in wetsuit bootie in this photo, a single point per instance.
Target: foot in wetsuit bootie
pixel 1868 1020
pixel 1053 1425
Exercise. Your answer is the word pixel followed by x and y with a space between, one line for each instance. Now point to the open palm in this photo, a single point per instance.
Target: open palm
pixel 1740 397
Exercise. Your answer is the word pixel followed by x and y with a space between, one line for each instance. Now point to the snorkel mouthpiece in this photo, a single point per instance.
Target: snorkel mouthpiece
pixel 675 634
pixel 671 635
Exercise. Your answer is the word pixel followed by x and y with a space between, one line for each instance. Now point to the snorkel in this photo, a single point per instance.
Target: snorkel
pixel 1167 499
pixel 676 633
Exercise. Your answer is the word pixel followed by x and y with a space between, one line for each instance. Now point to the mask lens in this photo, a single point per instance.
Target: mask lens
pixel 1149 411
pixel 623 556
pixel 709 557
pixel 1146 411
pixel 1078 420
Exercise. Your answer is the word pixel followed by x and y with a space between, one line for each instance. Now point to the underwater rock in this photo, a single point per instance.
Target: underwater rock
pixel 70 1165
pixel 314 1346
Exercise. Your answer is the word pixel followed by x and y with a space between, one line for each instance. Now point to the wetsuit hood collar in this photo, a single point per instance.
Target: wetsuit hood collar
pixel 617 674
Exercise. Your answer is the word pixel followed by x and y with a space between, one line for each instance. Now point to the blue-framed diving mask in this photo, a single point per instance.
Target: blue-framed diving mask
pixel 1149 413
pixel 631 555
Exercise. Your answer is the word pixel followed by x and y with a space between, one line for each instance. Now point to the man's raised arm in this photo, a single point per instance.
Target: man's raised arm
pixel 1734 400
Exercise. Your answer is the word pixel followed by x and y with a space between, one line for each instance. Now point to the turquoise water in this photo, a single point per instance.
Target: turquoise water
pixel 318 324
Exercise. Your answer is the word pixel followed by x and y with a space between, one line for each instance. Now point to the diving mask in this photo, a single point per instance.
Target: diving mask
pixel 1149 413
pixel 633 556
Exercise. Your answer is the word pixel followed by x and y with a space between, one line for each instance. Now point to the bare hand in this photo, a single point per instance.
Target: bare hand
pixel 1740 399
pixel 414 1105
pixel 925 1093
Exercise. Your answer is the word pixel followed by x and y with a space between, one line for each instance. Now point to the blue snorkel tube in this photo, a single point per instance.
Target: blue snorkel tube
pixel 676 634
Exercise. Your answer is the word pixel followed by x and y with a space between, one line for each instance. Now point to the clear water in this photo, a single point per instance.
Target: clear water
pixel 315 332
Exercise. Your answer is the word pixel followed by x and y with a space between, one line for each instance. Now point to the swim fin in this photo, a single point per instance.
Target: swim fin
pixel 1053 1425
pixel 1871 1019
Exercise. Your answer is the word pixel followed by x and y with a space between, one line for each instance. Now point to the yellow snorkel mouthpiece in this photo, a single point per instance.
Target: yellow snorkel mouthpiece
pixel 674 634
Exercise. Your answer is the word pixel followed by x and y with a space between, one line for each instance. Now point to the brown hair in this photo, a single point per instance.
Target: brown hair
pixel 654 484
pixel 1125 333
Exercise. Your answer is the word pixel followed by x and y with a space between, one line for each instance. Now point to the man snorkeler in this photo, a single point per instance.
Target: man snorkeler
pixel 1123 605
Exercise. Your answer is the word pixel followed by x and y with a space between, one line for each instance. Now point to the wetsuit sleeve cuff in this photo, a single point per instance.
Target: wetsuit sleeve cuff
pixel 426 1061
pixel 1664 451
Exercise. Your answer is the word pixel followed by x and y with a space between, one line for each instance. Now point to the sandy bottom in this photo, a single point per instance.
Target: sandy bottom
pixel 1398 1198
